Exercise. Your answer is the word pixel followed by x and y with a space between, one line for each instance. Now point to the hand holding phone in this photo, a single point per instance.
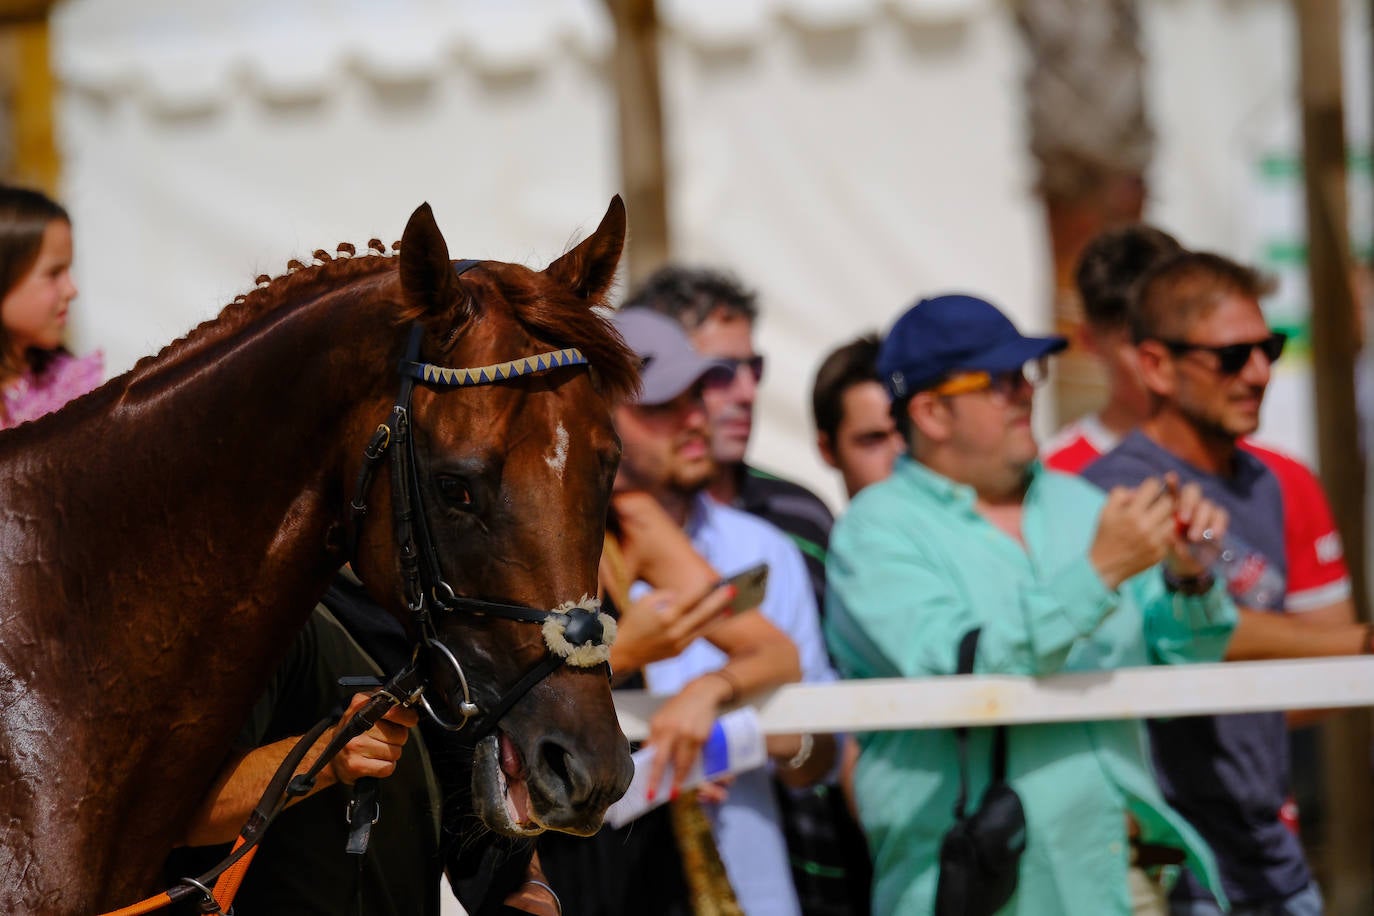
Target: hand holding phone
pixel 660 624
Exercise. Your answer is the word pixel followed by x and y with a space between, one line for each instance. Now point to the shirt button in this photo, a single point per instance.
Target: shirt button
pixel 1115 849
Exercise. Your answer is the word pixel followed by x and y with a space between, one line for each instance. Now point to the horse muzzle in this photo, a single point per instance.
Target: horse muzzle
pixel 548 785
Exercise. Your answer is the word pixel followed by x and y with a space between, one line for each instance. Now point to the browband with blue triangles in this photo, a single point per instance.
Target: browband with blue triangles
pixel 486 375
pixel 500 372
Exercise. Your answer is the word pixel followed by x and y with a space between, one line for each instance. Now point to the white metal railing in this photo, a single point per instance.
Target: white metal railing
pixel 1125 693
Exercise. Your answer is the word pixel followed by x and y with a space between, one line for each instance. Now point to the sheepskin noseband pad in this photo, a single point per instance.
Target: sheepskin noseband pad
pixel 580 633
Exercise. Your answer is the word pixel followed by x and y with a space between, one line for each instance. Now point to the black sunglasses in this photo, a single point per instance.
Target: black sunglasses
pixel 1233 357
pixel 724 376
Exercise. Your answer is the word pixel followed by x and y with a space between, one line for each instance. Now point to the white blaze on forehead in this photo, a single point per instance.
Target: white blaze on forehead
pixel 558 458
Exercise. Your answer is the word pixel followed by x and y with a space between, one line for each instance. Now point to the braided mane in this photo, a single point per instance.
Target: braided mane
pixel 271 292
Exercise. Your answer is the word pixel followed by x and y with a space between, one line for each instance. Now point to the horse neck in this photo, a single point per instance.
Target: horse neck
pixel 195 497
pixel 162 539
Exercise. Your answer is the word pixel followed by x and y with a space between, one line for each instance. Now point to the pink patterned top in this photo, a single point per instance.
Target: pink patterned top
pixel 66 377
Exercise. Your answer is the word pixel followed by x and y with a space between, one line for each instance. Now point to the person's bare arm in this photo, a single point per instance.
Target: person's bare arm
pixel 535 895
pixel 240 784
pixel 1321 632
pixel 1317 633
pixel 656 548
pixel 660 625
pixel 687 599
pixel 760 656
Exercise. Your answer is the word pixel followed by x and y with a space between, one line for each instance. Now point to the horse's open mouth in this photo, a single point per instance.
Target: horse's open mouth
pixel 501 788
pixel 513 785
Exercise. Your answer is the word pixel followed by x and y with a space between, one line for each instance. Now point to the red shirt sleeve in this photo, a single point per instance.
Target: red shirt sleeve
pixel 1317 574
pixel 1071 457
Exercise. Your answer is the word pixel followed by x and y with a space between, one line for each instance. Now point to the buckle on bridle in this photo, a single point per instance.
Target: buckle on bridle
pixel 439 599
pixel 378 443
pixel 352 809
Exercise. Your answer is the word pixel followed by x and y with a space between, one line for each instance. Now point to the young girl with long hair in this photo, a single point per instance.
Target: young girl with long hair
pixel 37 372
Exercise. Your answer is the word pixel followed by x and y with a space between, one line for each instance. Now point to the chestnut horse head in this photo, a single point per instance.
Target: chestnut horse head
pixel 165 535
pixel 502 456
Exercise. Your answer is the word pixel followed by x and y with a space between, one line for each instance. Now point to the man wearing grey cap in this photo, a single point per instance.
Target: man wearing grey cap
pixel 971 533
pixel 666 454
pixel 830 865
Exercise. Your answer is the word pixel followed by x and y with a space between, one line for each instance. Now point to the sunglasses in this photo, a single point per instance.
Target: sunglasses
pixel 1233 357
pixel 724 376
pixel 1005 383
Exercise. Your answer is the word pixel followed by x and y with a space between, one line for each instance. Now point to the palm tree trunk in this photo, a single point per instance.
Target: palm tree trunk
pixel 1092 141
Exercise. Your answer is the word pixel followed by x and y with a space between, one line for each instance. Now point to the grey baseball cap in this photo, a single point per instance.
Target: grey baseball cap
pixel 669 365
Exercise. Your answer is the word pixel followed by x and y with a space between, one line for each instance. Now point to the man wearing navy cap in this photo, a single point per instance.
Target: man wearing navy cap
pixel 971 532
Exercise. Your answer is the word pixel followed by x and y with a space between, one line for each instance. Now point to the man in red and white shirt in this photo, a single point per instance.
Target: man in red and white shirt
pixel 1109 270
pixel 1205 354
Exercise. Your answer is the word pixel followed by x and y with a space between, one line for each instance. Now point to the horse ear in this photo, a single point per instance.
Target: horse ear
pixel 589 269
pixel 427 278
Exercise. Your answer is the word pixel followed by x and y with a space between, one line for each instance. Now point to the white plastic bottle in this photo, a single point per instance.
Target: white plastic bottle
pixel 1250 578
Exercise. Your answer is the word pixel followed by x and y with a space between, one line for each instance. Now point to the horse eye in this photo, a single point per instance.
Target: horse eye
pixel 456 492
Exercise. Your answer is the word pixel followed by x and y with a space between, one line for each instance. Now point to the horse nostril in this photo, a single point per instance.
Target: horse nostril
pixel 566 775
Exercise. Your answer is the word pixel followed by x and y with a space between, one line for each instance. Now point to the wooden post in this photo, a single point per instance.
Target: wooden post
pixel 28 90
pixel 1347 848
pixel 643 173
pixel 33 95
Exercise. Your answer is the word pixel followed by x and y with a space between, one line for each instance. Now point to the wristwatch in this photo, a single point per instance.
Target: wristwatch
pixel 1190 586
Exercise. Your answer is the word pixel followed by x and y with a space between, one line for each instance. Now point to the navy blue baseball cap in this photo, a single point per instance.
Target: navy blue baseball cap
pixel 954 333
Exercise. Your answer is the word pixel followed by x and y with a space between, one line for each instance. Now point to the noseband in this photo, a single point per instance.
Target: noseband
pixel 576 633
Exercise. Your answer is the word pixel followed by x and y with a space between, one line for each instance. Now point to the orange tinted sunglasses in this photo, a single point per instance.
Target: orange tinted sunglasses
pixel 1005 383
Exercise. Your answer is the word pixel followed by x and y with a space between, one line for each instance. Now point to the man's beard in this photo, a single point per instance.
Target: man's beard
pixel 1212 425
pixel 688 482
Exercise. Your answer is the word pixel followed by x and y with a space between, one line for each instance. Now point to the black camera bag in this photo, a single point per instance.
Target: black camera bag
pixel 981 854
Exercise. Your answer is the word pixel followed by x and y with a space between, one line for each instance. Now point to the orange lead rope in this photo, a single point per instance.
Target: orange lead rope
pixel 150 905
pixel 228 884
pixel 228 875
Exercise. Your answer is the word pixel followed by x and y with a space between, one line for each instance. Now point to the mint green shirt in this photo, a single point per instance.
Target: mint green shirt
pixel 912 568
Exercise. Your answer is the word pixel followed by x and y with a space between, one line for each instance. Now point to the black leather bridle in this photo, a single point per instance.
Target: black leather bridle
pixel 575 633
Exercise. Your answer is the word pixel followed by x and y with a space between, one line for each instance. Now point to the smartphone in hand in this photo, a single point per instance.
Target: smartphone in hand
pixel 750 585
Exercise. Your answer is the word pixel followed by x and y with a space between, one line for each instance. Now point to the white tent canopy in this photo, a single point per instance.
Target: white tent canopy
pixel 843 156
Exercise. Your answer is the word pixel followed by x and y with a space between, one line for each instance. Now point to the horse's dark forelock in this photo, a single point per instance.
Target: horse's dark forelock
pixel 565 321
pixel 560 319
